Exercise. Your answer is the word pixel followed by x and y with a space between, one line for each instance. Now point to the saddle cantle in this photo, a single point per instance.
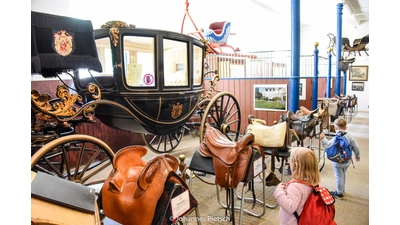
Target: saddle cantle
pixel 133 188
pixel 230 159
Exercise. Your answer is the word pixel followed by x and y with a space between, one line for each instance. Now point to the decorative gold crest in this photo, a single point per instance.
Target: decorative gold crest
pixel 176 110
pixel 63 42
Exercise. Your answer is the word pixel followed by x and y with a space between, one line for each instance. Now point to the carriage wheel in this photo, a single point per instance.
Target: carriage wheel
pixel 223 113
pixel 79 158
pixel 163 143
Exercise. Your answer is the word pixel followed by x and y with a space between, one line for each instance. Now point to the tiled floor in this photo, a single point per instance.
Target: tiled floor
pixel 352 210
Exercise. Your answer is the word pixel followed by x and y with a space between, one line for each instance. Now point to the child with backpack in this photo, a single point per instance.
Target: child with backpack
pixel 293 195
pixel 340 168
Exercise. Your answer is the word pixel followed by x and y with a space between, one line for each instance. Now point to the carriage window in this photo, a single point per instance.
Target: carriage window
pixel 139 61
pixel 104 54
pixel 197 65
pixel 175 63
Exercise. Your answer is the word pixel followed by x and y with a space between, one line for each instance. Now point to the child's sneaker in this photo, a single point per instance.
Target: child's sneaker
pixel 336 195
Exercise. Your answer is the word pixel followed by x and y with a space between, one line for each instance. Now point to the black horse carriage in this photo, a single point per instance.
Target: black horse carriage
pixel 145 81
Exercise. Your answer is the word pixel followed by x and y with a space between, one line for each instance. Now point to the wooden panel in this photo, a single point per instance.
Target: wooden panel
pixel 243 89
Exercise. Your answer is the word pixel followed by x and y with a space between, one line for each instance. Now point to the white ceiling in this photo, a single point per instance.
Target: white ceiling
pixel 355 12
pixel 269 19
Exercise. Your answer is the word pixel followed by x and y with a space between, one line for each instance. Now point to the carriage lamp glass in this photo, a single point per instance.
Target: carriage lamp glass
pixel 139 61
pixel 175 63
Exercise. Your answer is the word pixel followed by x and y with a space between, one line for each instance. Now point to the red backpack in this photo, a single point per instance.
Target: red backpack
pixel 319 208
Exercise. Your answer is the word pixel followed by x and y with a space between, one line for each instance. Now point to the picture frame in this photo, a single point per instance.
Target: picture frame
pixel 270 97
pixel 302 89
pixel 358 73
pixel 357 86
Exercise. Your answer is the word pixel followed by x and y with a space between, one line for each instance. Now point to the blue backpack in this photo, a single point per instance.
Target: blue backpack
pixel 340 151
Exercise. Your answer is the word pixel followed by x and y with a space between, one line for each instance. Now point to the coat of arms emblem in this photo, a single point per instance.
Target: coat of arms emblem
pixel 176 110
pixel 63 42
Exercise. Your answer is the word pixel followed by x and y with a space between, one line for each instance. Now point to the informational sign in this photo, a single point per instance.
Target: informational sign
pixel 134 75
pixel 180 204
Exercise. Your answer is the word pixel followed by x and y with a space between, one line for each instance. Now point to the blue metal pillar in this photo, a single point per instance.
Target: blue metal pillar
pixel 315 79
pixel 344 82
pixel 339 8
pixel 328 82
pixel 294 81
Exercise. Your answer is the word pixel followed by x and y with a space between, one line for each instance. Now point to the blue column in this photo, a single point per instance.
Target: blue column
pixel 339 8
pixel 315 79
pixel 344 82
pixel 328 82
pixel 294 81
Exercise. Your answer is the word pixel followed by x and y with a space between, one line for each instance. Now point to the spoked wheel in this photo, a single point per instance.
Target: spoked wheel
pixel 223 113
pixel 163 143
pixel 79 158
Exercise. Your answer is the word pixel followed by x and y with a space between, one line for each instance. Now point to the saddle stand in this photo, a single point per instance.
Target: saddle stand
pixel 280 152
pixel 231 163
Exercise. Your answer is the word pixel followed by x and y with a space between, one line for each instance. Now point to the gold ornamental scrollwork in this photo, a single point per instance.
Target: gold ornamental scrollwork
pixel 114 32
pixel 66 106
pixel 114 26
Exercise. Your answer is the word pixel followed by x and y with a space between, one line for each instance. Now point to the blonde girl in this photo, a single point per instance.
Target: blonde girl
pixel 293 195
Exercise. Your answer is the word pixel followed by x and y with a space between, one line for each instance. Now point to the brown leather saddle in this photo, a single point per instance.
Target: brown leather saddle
pixel 232 162
pixel 230 158
pixel 131 193
pixel 302 125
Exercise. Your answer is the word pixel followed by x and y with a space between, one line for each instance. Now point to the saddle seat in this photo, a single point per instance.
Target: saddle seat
pixel 305 114
pixel 230 158
pixel 222 147
pixel 276 136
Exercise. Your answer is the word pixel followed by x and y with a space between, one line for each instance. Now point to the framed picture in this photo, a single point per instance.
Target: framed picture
pixel 358 73
pixel 357 86
pixel 302 89
pixel 272 97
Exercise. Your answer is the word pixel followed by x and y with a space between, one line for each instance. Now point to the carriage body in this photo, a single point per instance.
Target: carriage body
pixel 157 75
pixel 146 80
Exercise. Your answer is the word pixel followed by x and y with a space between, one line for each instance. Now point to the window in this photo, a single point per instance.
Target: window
pixel 139 64
pixel 175 63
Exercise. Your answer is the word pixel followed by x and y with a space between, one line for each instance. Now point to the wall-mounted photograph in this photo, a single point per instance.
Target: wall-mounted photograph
pixel 358 73
pixel 271 97
pixel 357 86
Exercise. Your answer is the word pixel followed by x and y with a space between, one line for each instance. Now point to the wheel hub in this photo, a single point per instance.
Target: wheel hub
pixel 225 129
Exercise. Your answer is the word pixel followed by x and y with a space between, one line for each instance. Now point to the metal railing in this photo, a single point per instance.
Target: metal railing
pixel 265 64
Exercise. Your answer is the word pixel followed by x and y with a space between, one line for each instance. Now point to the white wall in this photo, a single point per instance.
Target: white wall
pixel 318 33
